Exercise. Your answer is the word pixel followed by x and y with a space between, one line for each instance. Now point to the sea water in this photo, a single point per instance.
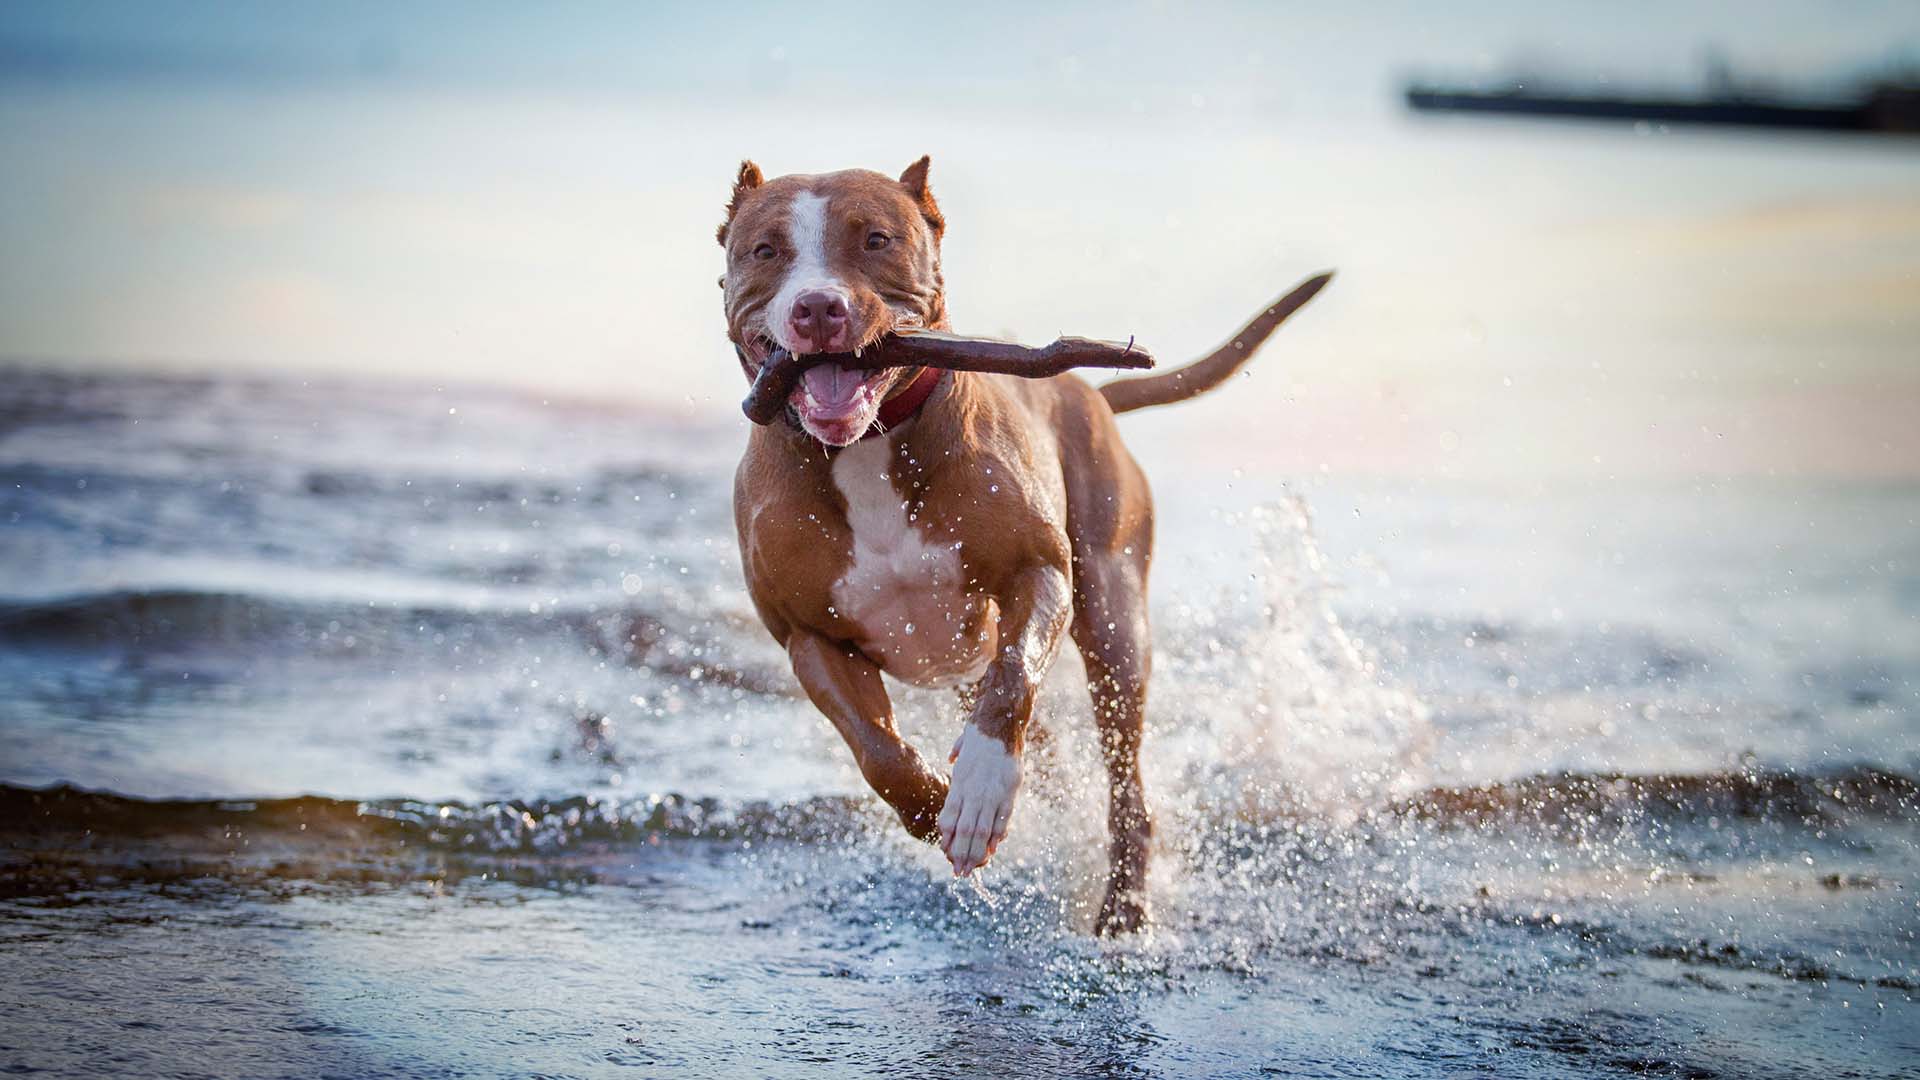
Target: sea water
pixel 370 729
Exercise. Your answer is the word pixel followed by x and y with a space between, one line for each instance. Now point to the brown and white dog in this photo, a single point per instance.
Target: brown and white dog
pixel 946 528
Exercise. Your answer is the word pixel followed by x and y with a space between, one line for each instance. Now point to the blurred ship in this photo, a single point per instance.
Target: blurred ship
pixel 1887 107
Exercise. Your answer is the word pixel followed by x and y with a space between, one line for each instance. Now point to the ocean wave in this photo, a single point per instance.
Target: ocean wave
pixel 151 617
pixel 1779 798
pixel 176 620
pixel 1589 801
pixel 49 483
pixel 1733 957
pixel 533 826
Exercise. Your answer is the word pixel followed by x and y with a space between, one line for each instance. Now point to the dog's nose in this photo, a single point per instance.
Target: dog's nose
pixel 821 319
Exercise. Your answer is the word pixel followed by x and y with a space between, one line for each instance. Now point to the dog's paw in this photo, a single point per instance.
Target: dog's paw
pixel 980 794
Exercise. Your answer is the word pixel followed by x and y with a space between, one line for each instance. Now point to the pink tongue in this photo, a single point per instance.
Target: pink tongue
pixel 833 386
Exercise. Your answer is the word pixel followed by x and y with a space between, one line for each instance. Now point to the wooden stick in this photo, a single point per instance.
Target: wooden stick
pixel 931 348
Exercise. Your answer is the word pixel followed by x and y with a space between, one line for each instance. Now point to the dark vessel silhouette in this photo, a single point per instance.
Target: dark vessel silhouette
pixel 1886 108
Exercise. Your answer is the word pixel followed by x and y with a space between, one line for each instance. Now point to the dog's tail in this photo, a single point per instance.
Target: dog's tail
pixel 1126 395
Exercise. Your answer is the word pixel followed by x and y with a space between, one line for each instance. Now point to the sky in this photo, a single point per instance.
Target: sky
pixel 526 194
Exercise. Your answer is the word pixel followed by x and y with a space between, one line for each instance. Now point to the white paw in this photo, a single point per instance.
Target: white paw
pixel 980 795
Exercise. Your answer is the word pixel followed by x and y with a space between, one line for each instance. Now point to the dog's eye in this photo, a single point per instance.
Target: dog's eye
pixel 764 252
pixel 877 240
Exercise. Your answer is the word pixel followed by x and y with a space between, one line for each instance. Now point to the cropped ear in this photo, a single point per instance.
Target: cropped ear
pixel 915 181
pixel 746 180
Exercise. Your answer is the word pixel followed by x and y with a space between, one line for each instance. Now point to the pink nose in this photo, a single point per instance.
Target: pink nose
pixel 819 318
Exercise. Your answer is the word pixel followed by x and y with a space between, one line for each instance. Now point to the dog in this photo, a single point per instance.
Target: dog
pixel 945 528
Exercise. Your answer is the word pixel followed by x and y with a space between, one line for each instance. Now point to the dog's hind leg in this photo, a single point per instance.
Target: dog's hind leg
pixel 844 685
pixel 1110 627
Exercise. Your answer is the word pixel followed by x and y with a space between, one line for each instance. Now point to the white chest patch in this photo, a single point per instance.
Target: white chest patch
pixel 906 594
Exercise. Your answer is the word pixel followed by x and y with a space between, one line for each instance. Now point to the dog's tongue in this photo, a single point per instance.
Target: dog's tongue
pixel 832 385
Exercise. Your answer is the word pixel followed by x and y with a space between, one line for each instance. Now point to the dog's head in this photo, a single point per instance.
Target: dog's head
pixel 831 263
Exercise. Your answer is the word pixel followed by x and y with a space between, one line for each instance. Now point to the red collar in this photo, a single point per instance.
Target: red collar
pixel 899 408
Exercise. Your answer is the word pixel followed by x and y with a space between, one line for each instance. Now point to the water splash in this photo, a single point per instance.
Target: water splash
pixel 1280 707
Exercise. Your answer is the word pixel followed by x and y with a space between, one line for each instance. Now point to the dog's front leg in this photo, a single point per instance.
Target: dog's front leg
pixel 986 758
pixel 845 686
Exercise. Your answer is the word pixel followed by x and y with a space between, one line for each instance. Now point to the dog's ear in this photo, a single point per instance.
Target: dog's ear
pixel 745 181
pixel 915 181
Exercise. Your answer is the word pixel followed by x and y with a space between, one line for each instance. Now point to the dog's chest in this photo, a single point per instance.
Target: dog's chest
pixel 905 592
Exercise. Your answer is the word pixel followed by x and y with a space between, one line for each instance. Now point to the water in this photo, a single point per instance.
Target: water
pixel 393 729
